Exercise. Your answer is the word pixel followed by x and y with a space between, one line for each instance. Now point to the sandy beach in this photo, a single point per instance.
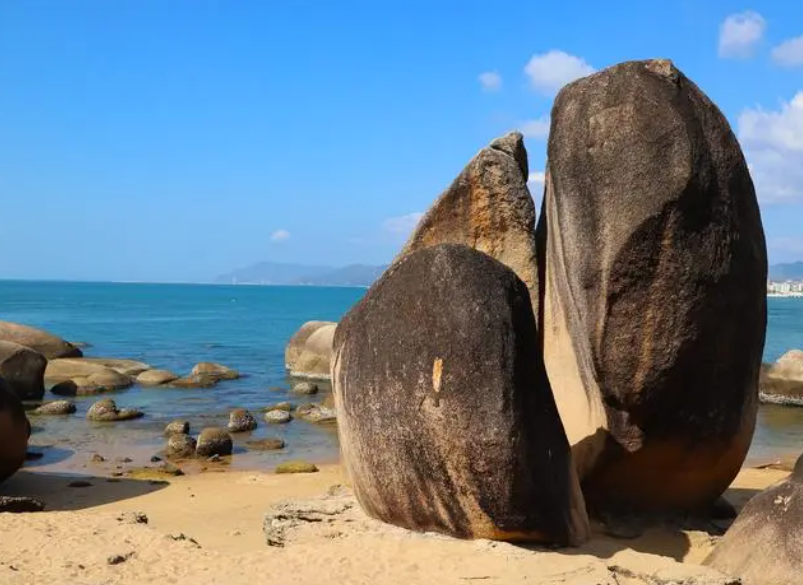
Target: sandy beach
pixel 207 528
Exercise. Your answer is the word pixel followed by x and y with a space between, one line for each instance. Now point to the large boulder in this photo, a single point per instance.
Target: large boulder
pixel 14 432
pixel 782 382
pixel 23 370
pixel 446 418
pixel 43 342
pixel 309 353
pixel 653 303
pixel 487 207
pixel 88 372
pixel 764 546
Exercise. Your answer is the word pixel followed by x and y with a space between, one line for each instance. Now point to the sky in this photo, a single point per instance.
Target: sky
pixel 174 140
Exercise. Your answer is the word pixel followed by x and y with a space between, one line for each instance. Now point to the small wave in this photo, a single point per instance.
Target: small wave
pixel 780 399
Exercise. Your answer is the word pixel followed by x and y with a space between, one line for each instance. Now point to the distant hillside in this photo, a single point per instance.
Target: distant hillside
pixel 276 273
pixel 789 271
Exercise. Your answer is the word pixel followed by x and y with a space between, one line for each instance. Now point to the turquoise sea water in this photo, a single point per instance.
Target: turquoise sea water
pixel 175 326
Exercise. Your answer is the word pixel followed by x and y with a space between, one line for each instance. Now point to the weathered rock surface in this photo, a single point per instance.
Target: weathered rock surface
pixel 782 382
pixel 214 441
pixel 156 377
pixel 40 341
pixel 130 368
pixel 214 371
pixel 180 446
pixel 487 207
pixel 106 411
pixel 305 388
pixel 177 427
pixel 23 370
pixel 14 432
pixel 764 546
pixel 86 374
pixel 57 407
pixel 309 353
pixel 653 303
pixel 316 413
pixel 450 425
pixel 267 444
pixel 241 421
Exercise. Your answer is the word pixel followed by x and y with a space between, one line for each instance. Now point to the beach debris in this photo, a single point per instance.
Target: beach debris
pixel 180 446
pixel 305 388
pixel 156 377
pixel 20 504
pixel 118 559
pixel 278 417
pixel 295 467
pixel 56 407
pixel 309 352
pixel 267 444
pixel 177 427
pixel 48 345
pixel 241 421
pixel 106 411
pixel 466 390
pixel 213 441
pixel 214 371
pixel 133 518
pixel 181 537
pixel 23 370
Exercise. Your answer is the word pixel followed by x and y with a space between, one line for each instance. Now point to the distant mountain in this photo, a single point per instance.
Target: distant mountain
pixel 789 271
pixel 277 273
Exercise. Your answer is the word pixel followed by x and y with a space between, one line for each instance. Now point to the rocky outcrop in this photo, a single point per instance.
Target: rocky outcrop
pixel 214 441
pixel 764 546
pixel 57 407
pixel 214 371
pixel 653 299
pixel 23 370
pixel 241 421
pixel 156 377
pixel 88 375
pixel 450 425
pixel 782 382
pixel 40 341
pixel 487 207
pixel 309 352
pixel 106 411
pixel 14 432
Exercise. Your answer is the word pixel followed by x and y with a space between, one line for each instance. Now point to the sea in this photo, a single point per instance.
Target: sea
pixel 175 326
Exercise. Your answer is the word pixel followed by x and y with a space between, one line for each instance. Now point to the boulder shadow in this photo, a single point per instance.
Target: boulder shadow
pixel 88 491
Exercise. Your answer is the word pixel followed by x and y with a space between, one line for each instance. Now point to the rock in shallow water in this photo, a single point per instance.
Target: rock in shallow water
pixel 305 388
pixel 48 345
pixel 180 446
pixel 106 411
pixel 214 371
pixel 241 421
pixel 57 407
pixel 653 304
pixel 156 377
pixel 177 427
pixel 214 441
pixel 450 425
pixel 268 444
pixel 20 504
pixel 278 417
pixel 316 413
pixel 296 467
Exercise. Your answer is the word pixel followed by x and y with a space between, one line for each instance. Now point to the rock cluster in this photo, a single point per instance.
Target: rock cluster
pixel 48 345
pixel 636 370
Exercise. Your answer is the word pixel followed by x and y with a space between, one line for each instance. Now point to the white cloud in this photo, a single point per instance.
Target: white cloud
pixel 789 53
pixel 280 236
pixel 403 224
pixel 536 128
pixel 490 81
pixel 773 143
pixel 536 179
pixel 550 71
pixel 740 33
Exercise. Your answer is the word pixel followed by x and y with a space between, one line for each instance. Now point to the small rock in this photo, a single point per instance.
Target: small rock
pixel 305 388
pixel 180 446
pixel 214 459
pixel 123 460
pixel 181 427
pixel 316 413
pixel 19 504
pixel 57 407
pixel 155 459
pixel 133 518
pixel 118 559
pixel 278 417
pixel 156 377
pixel 269 444
pixel 215 371
pixel 79 484
pixel 106 411
pixel 241 421
pixel 296 467
pixel 213 441
pixel 95 458
pixel 286 406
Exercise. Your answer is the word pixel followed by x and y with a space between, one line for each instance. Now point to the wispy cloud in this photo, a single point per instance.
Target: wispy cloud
pixel 403 224
pixel 773 144
pixel 550 71
pixel 739 34
pixel 789 53
pixel 538 128
pixel 536 179
pixel 280 236
pixel 490 81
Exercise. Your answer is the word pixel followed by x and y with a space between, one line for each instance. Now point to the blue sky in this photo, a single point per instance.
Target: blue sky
pixel 175 140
